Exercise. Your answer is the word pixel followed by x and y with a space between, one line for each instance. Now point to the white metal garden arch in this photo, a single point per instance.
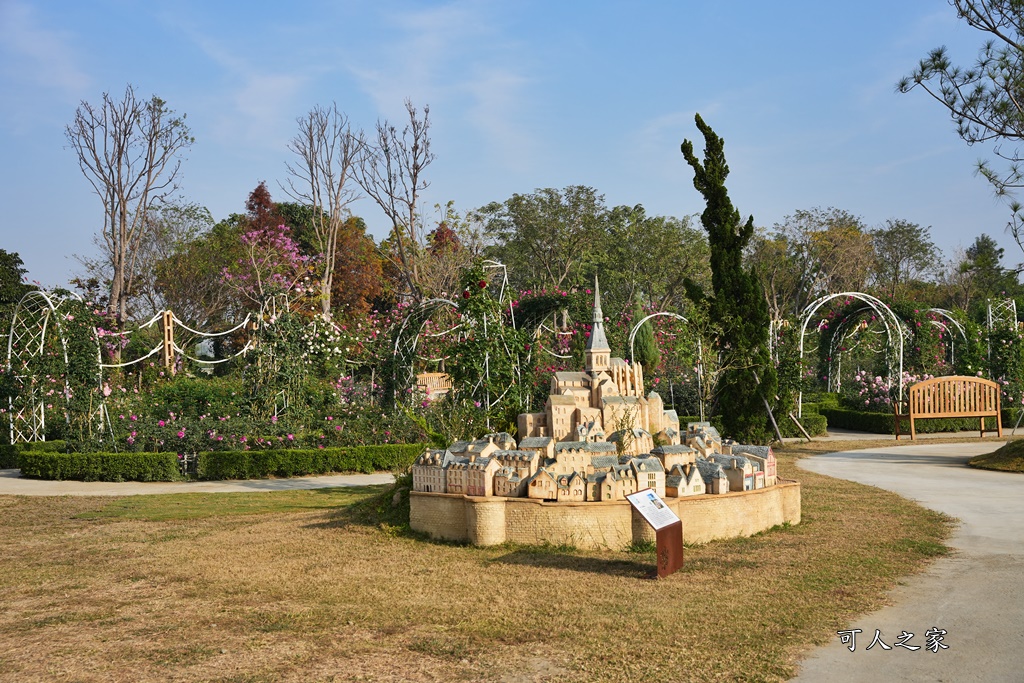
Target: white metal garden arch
pixel 700 354
pixel 407 341
pixel 26 342
pixel 894 329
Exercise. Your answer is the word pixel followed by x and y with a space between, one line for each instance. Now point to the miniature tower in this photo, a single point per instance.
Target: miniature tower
pixel 598 353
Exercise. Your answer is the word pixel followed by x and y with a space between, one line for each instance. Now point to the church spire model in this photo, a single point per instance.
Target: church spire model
pixel 598 353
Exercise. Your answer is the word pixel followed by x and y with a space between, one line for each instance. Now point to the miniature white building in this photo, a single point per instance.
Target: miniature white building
pixel 605 398
pixel 684 480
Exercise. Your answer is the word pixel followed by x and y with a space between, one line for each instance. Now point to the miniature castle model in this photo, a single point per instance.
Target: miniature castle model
pixel 605 401
pixel 563 453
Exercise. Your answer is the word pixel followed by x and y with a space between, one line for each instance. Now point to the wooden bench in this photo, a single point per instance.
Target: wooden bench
pixel 953 396
pixel 433 385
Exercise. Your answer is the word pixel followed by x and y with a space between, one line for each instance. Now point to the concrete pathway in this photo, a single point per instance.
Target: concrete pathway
pixel 12 484
pixel 976 595
pixel 839 434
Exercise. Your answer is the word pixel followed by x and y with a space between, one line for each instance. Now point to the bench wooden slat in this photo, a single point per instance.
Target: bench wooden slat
pixel 952 396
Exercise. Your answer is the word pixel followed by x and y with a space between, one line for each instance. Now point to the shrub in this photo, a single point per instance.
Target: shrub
pixel 812 421
pixel 885 423
pixel 10 455
pixel 290 462
pixel 100 466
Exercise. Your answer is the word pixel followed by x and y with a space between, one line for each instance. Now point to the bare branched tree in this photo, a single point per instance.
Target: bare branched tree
pixel 390 170
pixel 128 150
pixel 328 151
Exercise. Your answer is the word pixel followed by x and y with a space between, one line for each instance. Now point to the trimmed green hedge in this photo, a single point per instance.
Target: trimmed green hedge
pixel 10 456
pixel 100 466
pixel 293 462
pixel 885 423
pixel 815 424
pixel 215 465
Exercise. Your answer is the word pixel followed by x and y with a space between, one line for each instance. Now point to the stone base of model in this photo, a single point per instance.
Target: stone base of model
pixel 494 520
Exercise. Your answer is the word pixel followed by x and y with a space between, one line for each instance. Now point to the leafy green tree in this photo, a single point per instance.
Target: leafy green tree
pixel 12 278
pixel 550 238
pixel 647 259
pixel 817 251
pixel 985 263
pixel 983 99
pixel 645 348
pixel 12 286
pixel 904 252
pixel 748 379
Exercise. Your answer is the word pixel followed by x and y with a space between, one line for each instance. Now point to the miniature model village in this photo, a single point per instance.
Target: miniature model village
pixel 595 441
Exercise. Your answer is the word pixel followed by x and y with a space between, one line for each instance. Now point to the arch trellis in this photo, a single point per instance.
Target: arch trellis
pixel 950 319
pixel 407 340
pixel 409 333
pixel 36 316
pixel 895 330
pixel 700 353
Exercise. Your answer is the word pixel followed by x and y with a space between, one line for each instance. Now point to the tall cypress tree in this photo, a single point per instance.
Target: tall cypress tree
pixel 737 304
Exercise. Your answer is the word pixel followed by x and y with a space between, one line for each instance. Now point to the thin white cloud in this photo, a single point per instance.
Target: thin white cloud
pixel 258 107
pixel 37 55
pixel 455 58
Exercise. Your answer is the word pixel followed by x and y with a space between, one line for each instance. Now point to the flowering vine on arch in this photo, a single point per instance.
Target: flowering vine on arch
pixel 43 369
pixel 895 331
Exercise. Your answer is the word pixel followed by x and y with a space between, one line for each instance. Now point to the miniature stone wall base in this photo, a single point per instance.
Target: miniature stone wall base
pixel 614 525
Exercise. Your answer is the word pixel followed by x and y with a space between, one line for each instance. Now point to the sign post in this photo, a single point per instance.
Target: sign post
pixel 667 527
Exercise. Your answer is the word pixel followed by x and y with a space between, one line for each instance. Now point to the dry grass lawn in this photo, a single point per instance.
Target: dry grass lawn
pixel 299 586
pixel 1009 458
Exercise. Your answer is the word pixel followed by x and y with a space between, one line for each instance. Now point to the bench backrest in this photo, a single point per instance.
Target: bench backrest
pixel 433 381
pixel 954 395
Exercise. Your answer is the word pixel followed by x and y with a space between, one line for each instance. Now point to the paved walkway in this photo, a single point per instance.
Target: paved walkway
pixel 976 594
pixel 12 484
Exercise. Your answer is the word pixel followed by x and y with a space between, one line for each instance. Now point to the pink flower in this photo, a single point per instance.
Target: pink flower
pixel 161 423
pixel 181 434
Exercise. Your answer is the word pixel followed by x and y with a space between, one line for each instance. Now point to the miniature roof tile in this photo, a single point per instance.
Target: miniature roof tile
pixel 669 449
pixel 514 455
pixel 648 464
pixel 570 445
pixel 604 461
pixel 600 447
pixel 535 442
pixel 567 376
pixel 757 451
pixel 458 447
pixel 710 470
pixel 729 460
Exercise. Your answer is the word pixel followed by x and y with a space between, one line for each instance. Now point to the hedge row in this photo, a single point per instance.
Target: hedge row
pixel 10 456
pixel 293 462
pixel 215 465
pixel 885 423
pixel 100 466
pixel 815 424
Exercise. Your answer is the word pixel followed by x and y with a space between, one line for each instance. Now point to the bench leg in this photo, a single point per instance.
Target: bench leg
pixel 913 429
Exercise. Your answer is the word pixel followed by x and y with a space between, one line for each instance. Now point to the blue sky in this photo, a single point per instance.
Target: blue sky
pixel 522 95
